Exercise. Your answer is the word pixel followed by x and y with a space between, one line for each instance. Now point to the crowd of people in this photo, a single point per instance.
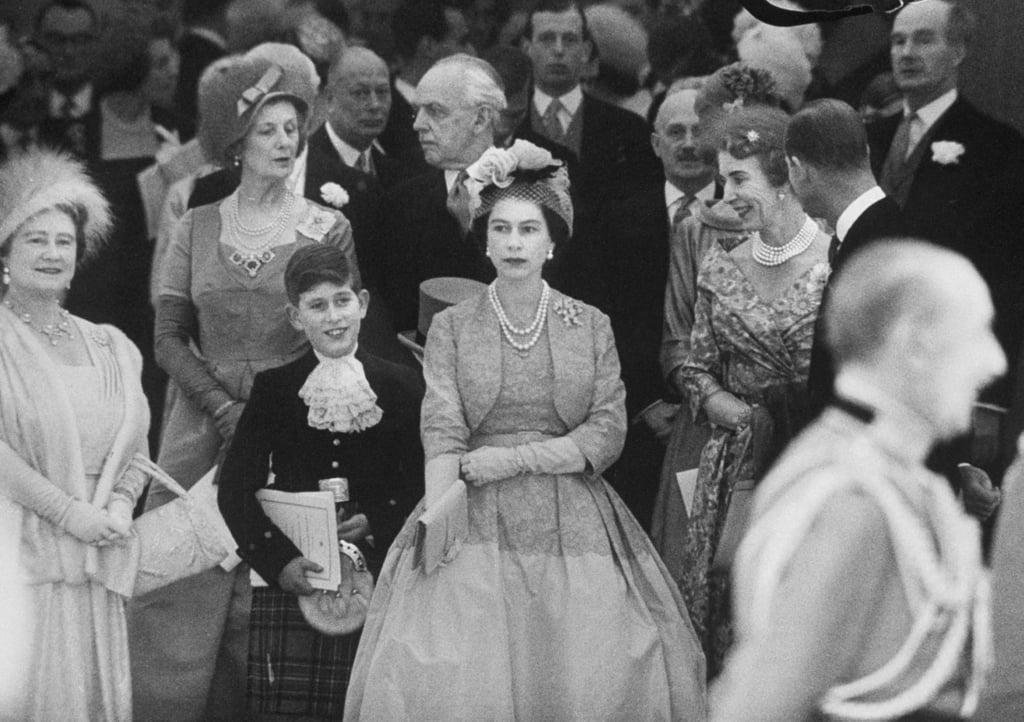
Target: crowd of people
pixel 706 358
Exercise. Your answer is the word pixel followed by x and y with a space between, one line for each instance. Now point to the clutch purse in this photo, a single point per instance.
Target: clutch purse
pixel 342 611
pixel 177 540
pixel 442 528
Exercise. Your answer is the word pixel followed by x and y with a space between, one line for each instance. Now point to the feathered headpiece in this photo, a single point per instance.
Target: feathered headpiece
pixel 524 171
pixel 39 179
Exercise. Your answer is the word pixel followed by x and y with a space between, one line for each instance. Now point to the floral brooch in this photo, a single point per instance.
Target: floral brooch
pixel 316 223
pixel 947 152
pixel 333 194
pixel 569 310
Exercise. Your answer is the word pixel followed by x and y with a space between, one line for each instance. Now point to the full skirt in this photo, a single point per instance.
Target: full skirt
pixel 556 607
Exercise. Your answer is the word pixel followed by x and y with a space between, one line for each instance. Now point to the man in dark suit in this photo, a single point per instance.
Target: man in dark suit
pixel 630 273
pixel 425 31
pixel 66 30
pixel 425 220
pixel 954 170
pixel 830 173
pixel 345 149
pixel 200 44
pixel 612 144
pixel 827 154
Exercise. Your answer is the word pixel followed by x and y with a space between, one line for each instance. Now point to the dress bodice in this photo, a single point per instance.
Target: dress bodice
pixel 98 410
pixel 526 399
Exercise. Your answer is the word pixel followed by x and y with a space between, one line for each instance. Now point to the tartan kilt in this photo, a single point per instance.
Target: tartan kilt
pixel 294 669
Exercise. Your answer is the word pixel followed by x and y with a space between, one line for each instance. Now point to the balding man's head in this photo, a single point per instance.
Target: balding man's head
pixel 918 317
pixel 458 101
pixel 359 90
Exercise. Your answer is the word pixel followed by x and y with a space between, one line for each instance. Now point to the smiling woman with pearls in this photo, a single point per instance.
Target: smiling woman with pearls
pixel 555 603
pixel 72 417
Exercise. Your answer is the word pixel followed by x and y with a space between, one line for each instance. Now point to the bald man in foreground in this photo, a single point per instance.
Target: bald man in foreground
pixel 859 559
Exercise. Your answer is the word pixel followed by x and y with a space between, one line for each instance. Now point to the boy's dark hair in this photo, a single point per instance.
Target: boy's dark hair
pixel 312 265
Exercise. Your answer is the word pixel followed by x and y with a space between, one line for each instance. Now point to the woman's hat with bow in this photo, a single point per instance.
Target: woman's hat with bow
pixel 234 90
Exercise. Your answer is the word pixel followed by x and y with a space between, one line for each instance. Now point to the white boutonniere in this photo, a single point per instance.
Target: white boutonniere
pixel 947 152
pixel 569 310
pixel 316 223
pixel 334 195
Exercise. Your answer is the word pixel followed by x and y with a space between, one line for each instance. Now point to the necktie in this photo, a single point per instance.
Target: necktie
pixel 364 163
pixel 458 202
pixel 898 152
pixel 552 123
pixel 833 249
pixel 682 211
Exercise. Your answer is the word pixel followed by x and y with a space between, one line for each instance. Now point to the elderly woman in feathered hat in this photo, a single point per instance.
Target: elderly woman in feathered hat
pixel 223 287
pixel 72 415
pixel 555 605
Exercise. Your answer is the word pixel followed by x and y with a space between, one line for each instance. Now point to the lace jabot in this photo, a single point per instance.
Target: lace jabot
pixel 339 397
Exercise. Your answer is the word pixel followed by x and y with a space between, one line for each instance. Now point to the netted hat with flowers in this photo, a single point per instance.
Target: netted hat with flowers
pixel 237 88
pixel 524 171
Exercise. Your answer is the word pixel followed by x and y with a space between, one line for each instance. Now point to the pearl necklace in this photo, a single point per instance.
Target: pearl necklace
pixel 776 255
pixel 54 332
pixel 509 330
pixel 252 257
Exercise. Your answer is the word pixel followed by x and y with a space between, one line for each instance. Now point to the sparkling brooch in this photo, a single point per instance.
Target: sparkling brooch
pixel 569 310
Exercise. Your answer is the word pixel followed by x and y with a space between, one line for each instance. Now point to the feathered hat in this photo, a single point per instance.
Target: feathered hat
pixel 40 179
pixel 523 171
pixel 232 95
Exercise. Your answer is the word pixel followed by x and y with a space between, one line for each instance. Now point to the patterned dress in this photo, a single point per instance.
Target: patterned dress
pixel 557 606
pixel 747 346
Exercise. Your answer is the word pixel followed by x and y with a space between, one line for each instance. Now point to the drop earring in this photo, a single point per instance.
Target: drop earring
pixel 551 253
pixel 236 162
pixel 6 277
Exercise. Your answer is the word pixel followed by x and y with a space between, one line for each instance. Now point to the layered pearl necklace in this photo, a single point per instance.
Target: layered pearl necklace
pixel 252 256
pixel 54 332
pixel 511 331
pixel 776 255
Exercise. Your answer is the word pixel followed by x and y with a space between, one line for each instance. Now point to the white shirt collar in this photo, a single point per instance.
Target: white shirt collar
pixel 570 101
pixel 854 211
pixel 933 111
pixel 348 154
pixel 209 34
pixel 672 193
pixel 449 178
pixel 407 89
pixel 451 174
pixel 81 102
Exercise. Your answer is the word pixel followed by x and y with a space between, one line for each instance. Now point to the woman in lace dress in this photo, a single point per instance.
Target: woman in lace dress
pixel 223 288
pixel 72 415
pixel 746 372
pixel 556 606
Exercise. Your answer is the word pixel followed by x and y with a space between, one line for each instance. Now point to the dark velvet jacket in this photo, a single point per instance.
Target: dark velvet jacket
pixel 383 465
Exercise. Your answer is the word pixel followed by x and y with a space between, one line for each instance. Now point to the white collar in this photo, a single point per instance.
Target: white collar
pixel 570 101
pixel 905 433
pixel 933 111
pixel 209 34
pixel 672 193
pixel 451 174
pixel 349 155
pixel 854 211
pixel 81 101
pixel 407 89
